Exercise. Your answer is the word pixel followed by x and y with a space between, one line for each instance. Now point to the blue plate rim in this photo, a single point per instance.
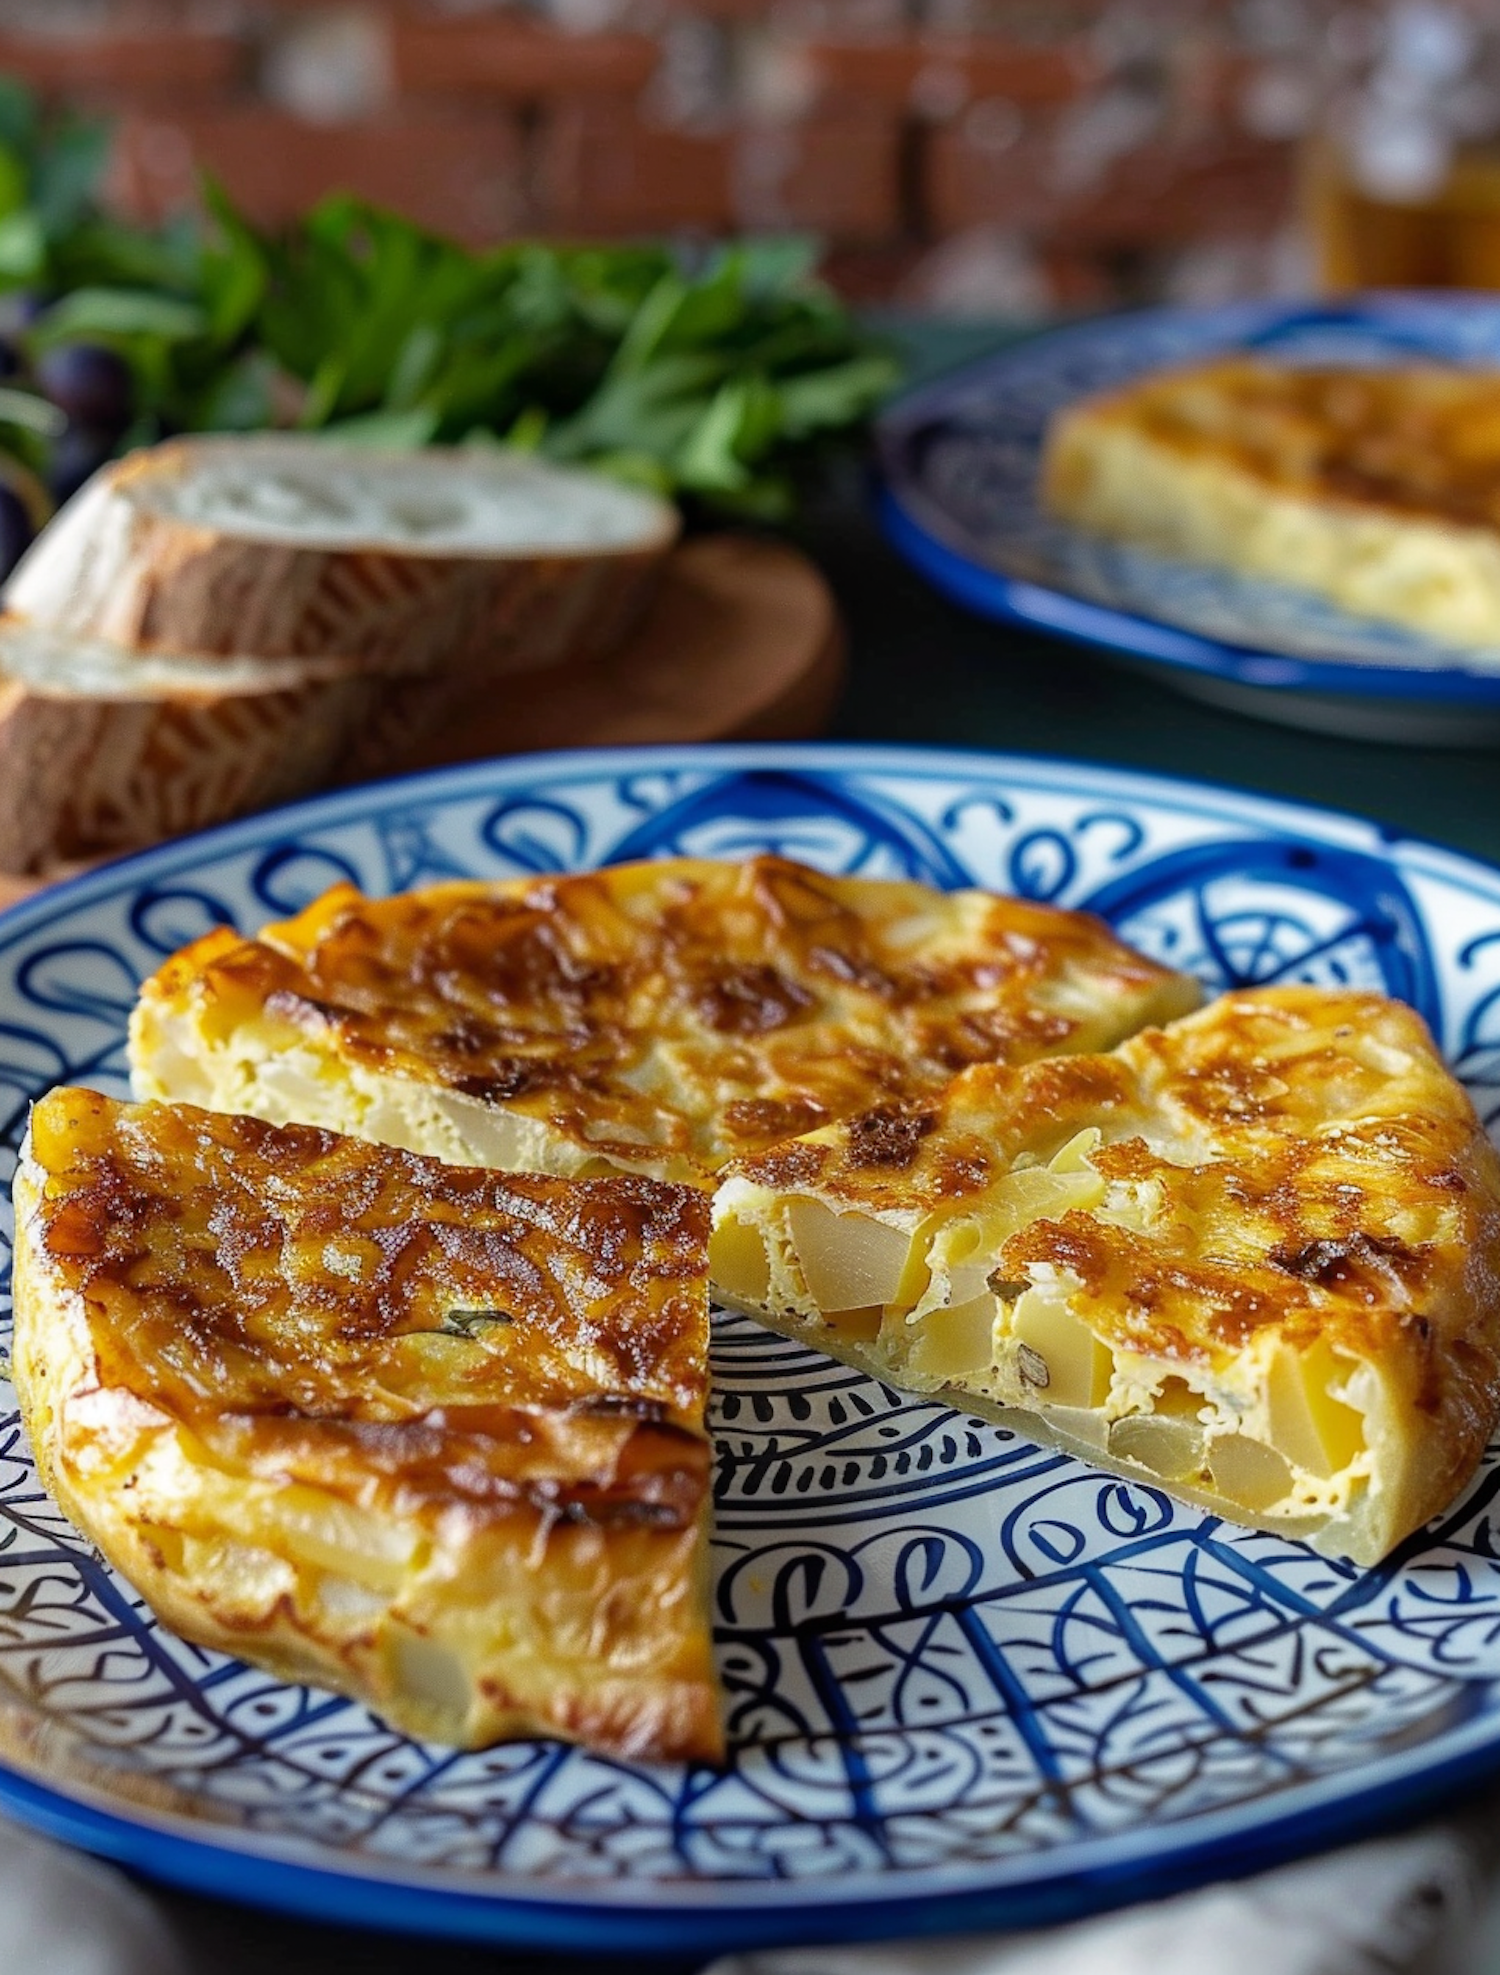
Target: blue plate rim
pixel 455 780
pixel 1020 1892
pixel 274 1878
pixel 1007 599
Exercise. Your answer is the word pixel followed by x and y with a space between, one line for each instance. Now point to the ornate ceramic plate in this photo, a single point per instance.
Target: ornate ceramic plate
pixel 968 1681
pixel 960 462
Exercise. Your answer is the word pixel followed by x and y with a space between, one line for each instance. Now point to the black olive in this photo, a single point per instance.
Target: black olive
pixel 93 385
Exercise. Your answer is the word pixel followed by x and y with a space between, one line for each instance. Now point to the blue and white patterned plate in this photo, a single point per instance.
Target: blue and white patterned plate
pixel 960 458
pixel 969 1682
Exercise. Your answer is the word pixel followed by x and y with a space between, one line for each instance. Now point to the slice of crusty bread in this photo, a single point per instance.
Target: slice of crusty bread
pixel 462 563
pixel 102 750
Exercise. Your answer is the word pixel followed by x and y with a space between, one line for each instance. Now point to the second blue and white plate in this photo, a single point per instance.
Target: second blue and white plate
pixel 960 460
pixel 969 1682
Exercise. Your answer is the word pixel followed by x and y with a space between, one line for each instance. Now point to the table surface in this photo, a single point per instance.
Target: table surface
pixel 925 672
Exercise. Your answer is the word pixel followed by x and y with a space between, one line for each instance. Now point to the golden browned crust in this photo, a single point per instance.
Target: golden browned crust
pixel 431 1436
pixel 1413 440
pixel 663 1016
pixel 1287 1170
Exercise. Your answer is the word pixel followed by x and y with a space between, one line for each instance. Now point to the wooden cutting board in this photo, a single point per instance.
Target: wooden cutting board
pixel 742 642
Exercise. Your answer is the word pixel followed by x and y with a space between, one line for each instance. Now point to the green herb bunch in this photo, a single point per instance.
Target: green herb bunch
pixel 716 381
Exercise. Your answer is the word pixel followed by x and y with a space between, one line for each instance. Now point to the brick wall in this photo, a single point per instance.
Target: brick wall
pixel 985 153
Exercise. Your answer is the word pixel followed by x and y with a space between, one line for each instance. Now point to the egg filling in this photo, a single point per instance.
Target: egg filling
pixel 1222 1258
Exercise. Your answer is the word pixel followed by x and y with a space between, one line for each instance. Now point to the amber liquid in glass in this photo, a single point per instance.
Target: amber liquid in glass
pixel 1448 239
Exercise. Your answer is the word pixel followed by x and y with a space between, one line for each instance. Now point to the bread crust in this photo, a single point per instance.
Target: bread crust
pixel 122 563
pixel 88 774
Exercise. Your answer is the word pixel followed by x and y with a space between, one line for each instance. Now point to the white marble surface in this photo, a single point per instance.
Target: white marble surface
pixel 1411 1903
pixel 1427 1902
